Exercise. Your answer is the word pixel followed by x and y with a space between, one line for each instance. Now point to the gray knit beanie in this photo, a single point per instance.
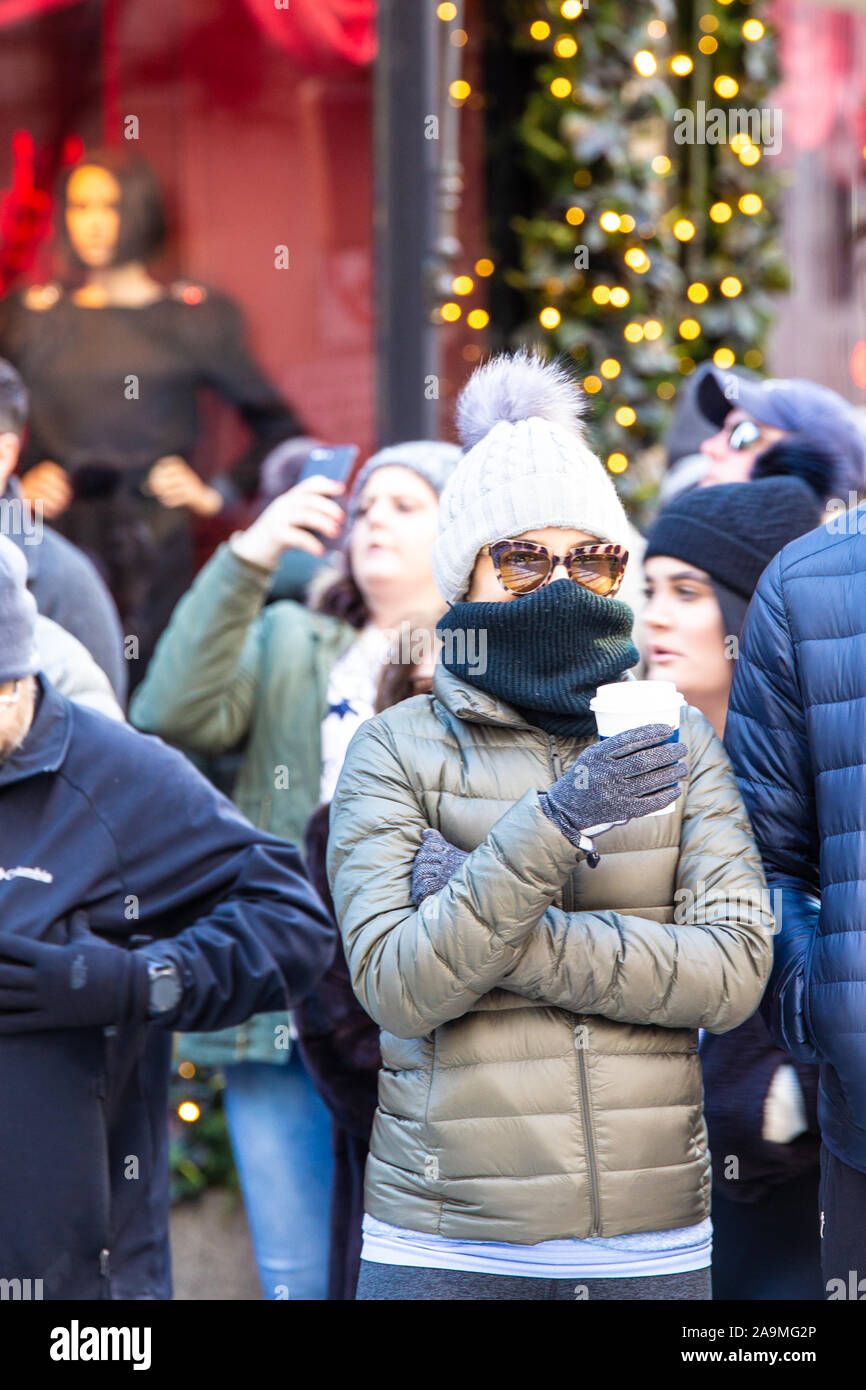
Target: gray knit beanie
pixel 527 466
pixel 431 460
pixel 18 654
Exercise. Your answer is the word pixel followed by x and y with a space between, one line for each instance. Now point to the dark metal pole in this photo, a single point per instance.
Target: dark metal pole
pixel 405 156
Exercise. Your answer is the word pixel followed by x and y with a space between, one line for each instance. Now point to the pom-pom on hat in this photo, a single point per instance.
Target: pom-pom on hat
pixel 527 466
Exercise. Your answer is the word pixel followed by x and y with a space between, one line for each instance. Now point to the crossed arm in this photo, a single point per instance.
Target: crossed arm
pixel 493 924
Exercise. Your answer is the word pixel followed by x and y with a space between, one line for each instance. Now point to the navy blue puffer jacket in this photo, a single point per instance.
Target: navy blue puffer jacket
pixel 796 734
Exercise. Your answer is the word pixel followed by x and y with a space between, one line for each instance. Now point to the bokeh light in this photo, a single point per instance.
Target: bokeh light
pixel 645 62
pixel 731 286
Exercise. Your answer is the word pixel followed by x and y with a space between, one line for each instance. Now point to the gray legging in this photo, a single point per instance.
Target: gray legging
pixel 404 1284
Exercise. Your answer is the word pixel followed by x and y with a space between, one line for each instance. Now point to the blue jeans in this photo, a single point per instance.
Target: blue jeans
pixel 280 1132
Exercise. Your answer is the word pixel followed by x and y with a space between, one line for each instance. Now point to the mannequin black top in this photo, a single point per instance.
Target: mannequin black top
pixel 115 387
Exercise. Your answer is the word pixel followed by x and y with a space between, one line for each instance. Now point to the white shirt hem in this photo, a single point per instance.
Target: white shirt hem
pixel 578 1259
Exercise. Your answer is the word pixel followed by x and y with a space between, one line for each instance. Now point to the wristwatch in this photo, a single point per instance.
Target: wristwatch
pixel 164 988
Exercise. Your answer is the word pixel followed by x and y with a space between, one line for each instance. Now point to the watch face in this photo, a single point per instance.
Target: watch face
pixel 164 992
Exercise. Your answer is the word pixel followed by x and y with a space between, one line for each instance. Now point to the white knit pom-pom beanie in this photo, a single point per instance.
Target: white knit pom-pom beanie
pixel 527 465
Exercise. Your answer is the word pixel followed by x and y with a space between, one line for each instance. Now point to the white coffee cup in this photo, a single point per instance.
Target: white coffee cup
pixel 632 704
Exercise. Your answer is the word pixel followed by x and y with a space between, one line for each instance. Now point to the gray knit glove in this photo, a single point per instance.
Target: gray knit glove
pixel 615 780
pixel 435 862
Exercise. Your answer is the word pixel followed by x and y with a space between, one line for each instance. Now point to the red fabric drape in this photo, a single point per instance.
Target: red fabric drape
pixel 13 11
pixel 321 35
pixel 822 54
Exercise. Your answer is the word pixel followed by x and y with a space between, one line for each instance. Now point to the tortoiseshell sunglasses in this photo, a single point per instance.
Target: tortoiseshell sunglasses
pixel 524 566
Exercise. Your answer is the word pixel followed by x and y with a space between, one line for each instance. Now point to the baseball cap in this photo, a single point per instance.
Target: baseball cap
pixel 796 406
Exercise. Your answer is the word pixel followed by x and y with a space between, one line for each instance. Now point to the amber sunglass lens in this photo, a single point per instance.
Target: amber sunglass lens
pixel 600 573
pixel 522 571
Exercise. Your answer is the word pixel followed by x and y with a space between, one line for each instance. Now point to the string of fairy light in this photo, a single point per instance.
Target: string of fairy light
pixel 464 285
pixel 648 63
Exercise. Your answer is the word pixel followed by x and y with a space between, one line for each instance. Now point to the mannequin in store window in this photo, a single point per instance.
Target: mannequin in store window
pixel 113 360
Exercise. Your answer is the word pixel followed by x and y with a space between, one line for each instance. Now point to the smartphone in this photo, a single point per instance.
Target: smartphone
pixel 332 462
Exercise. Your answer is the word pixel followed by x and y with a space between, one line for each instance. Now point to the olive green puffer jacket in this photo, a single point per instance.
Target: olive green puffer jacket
pixel 540 1076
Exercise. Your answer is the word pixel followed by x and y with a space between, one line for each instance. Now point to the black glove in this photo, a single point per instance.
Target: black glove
pixel 84 983
pixel 435 862
pixel 617 779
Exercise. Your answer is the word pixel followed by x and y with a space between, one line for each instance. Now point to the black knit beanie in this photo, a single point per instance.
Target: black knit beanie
pixel 732 532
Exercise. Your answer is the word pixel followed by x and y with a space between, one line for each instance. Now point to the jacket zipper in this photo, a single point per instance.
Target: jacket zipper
pixel 568 906
pixel 590 1143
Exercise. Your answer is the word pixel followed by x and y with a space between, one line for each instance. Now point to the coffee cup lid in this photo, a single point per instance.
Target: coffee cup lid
pixel 630 695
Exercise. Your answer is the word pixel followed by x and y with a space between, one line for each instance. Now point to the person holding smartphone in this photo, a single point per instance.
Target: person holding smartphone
pixel 292 684
pixel 289 464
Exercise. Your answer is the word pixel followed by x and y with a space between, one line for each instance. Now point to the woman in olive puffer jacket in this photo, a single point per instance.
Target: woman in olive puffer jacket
pixel 539 1132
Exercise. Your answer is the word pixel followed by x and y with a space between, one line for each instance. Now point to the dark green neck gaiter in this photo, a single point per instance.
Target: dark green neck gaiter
pixel 545 654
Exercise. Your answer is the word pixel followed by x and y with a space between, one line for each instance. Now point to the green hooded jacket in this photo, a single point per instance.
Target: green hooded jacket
pixel 230 673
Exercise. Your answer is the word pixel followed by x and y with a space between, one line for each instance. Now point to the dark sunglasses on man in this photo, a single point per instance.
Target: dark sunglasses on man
pixel 744 434
pixel 524 566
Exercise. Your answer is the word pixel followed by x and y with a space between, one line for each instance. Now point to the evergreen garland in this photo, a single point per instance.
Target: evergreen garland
pixel 682 267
